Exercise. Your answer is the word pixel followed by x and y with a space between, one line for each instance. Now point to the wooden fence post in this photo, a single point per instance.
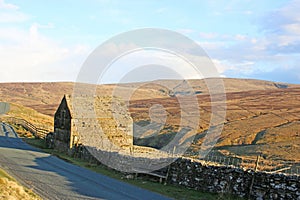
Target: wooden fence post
pixel 253 177
pixel 37 132
pixel 256 163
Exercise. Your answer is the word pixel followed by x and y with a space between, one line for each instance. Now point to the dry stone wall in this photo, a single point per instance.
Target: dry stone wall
pixel 235 181
pixel 218 179
pixel 100 121
pixel 115 120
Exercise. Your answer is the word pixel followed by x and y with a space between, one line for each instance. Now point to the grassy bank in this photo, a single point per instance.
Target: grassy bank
pixel 10 189
pixel 175 192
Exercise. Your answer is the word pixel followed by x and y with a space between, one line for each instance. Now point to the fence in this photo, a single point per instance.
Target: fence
pixel 256 164
pixel 37 132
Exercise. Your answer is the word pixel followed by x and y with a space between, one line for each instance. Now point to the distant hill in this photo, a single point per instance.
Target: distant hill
pixel 262 116
pixel 45 97
pixel 257 121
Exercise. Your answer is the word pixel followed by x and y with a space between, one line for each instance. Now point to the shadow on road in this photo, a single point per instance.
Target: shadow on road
pixel 85 183
pixel 15 143
pixel 54 178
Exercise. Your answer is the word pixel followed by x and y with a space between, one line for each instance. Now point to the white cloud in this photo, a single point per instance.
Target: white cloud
pixel 9 13
pixel 274 47
pixel 291 10
pixel 283 25
pixel 261 56
pixel 204 35
pixel 290 36
pixel 29 55
pixel 186 31
pixel 171 67
pixel 221 66
pixel 8 17
pixel 240 37
pixel 7 6
pixel 211 46
pixel 242 68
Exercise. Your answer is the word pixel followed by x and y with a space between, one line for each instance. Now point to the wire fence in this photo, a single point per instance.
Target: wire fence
pixel 247 163
pixel 256 164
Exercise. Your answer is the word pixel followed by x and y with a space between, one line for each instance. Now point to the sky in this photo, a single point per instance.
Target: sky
pixel 50 40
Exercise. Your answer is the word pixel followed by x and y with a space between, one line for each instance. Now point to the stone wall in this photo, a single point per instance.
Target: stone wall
pixel 218 179
pixel 235 181
pixel 102 119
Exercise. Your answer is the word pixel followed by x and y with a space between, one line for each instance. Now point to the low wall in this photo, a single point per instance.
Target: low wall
pixel 234 181
pixel 218 179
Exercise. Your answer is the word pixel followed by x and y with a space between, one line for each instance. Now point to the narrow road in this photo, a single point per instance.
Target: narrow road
pixel 53 178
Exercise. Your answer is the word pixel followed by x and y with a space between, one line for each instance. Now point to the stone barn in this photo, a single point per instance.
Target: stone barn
pixel 110 114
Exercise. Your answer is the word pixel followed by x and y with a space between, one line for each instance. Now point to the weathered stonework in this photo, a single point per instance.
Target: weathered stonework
pixel 216 179
pixel 89 115
pixel 235 181
pixel 116 124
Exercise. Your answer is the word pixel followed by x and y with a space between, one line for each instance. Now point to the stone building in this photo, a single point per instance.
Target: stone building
pixel 79 119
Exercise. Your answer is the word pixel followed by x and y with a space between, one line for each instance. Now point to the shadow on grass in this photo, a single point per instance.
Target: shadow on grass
pixel 175 192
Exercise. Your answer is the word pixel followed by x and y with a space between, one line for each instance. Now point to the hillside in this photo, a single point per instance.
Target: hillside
pixel 45 97
pixel 262 117
pixel 257 121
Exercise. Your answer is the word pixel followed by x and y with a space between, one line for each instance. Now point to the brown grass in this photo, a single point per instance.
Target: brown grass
pixel 11 190
pixel 273 111
pixel 31 115
pixel 253 106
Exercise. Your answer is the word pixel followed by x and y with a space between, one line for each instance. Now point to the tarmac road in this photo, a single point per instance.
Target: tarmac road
pixel 53 178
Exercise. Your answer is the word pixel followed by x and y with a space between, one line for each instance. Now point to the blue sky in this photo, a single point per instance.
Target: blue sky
pixel 50 40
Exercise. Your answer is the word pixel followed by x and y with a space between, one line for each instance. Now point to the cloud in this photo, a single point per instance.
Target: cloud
pixel 221 66
pixel 28 55
pixel 280 74
pixel 9 13
pixel 204 35
pixel 147 65
pixel 228 69
pixel 283 25
pixel 185 31
pixel 7 6
pixel 6 17
pixel 281 68
pixel 236 48
pixel 273 51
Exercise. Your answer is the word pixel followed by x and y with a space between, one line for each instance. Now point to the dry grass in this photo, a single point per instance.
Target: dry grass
pixel 11 190
pixel 253 106
pixel 261 121
pixel 31 115
pixel 45 97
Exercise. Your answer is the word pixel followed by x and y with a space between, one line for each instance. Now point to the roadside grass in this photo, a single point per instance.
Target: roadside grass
pixel 3 174
pixel 30 115
pixel 172 191
pixel 11 189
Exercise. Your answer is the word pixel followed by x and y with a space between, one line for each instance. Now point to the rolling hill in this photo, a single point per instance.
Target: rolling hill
pixel 45 97
pixel 262 117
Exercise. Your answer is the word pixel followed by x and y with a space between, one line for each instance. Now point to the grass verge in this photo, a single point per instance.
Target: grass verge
pixel 10 189
pixel 175 192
